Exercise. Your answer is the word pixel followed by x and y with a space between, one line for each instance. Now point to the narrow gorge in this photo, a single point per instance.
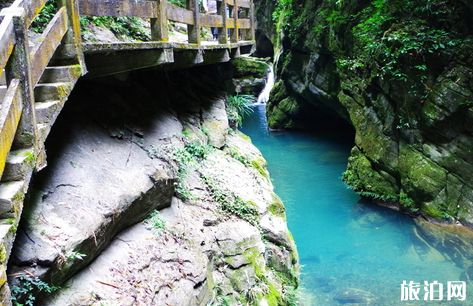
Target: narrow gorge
pixel 153 195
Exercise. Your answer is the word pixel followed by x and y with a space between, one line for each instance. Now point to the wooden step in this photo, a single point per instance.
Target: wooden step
pixel 52 91
pixel 11 199
pixel 47 112
pixel 57 74
pixel 19 165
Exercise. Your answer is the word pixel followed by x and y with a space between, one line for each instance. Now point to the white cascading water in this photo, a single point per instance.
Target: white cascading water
pixel 264 95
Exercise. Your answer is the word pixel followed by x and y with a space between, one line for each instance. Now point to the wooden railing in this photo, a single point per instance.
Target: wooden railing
pixel 22 67
pixel 240 17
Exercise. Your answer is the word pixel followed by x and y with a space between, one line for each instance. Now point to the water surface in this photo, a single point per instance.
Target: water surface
pixel 352 252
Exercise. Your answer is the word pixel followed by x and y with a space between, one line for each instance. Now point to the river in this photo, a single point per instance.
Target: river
pixel 352 252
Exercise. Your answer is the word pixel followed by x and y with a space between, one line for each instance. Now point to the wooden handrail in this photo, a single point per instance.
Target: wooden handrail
pixel 20 63
pixel 23 68
pixel 159 10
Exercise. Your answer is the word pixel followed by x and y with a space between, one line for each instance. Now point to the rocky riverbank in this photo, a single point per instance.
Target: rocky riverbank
pixel 150 198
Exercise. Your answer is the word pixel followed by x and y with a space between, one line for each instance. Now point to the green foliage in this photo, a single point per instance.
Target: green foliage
pixel 233 152
pixel 407 202
pixel 239 105
pixel 179 3
pixel 47 13
pixel 185 158
pixel 389 36
pixel 230 202
pixel 120 26
pixel 287 19
pixel 156 224
pixel 29 285
pixel 75 255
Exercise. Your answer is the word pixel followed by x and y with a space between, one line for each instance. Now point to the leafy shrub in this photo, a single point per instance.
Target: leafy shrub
pixel 239 105
pixel 29 285
pixel 42 20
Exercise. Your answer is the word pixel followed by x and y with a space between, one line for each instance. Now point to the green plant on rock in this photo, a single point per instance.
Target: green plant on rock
pixel 75 255
pixel 233 152
pixel 24 294
pixel 407 202
pixel 156 223
pixel 395 40
pixel 186 159
pixel 230 202
pixel 238 106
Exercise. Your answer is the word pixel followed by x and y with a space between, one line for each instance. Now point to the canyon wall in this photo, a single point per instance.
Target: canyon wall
pixel 401 74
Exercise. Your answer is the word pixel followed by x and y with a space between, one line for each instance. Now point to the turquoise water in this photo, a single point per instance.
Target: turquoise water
pixel 352 252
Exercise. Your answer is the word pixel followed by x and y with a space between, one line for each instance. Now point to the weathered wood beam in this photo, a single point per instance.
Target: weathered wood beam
pixel 7 40
pixel 32 8
pixel 119 8
pixel 10 114
pixel 207 20
pixel 222 32
pixel 71 46
pixel 233 21
pixel 179 14
pixel 18 67
pixel 250 34
pixel 49 41
pixel 108 63
pixel 159 25
pixel 193 30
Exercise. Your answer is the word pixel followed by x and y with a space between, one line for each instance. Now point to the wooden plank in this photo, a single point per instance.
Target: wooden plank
pixel 7 40
pixel 244 23
pixel 119 8
pixel 240 3
pixel 50 40
pixel 32 8
pixel 207 20
pixel 243 3
pixel 179 14
pixel 10 114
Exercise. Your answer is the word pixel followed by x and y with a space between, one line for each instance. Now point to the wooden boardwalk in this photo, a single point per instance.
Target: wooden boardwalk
pixel 36 80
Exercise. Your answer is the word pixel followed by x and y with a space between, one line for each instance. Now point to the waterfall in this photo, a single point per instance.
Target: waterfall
pixel 264 95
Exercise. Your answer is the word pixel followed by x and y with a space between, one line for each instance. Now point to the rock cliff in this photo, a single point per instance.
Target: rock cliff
pixel 401 74
pixel 150 198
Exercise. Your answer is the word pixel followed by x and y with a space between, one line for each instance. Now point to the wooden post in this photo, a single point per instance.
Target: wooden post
pixel 72 40
pixel 234 15
pixel 159 26
pixel 18 67
pixel 222 32
pixel 193 31
pixel 250 33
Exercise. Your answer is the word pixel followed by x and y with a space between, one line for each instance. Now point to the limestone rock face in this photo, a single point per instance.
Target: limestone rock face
pixel 412 113
pixel 150 199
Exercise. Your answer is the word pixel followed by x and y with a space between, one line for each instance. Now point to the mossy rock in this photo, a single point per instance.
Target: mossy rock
pixel 277 206
pixel 420 177
pixel 244 67
pixel 277 119
pixel 366 179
